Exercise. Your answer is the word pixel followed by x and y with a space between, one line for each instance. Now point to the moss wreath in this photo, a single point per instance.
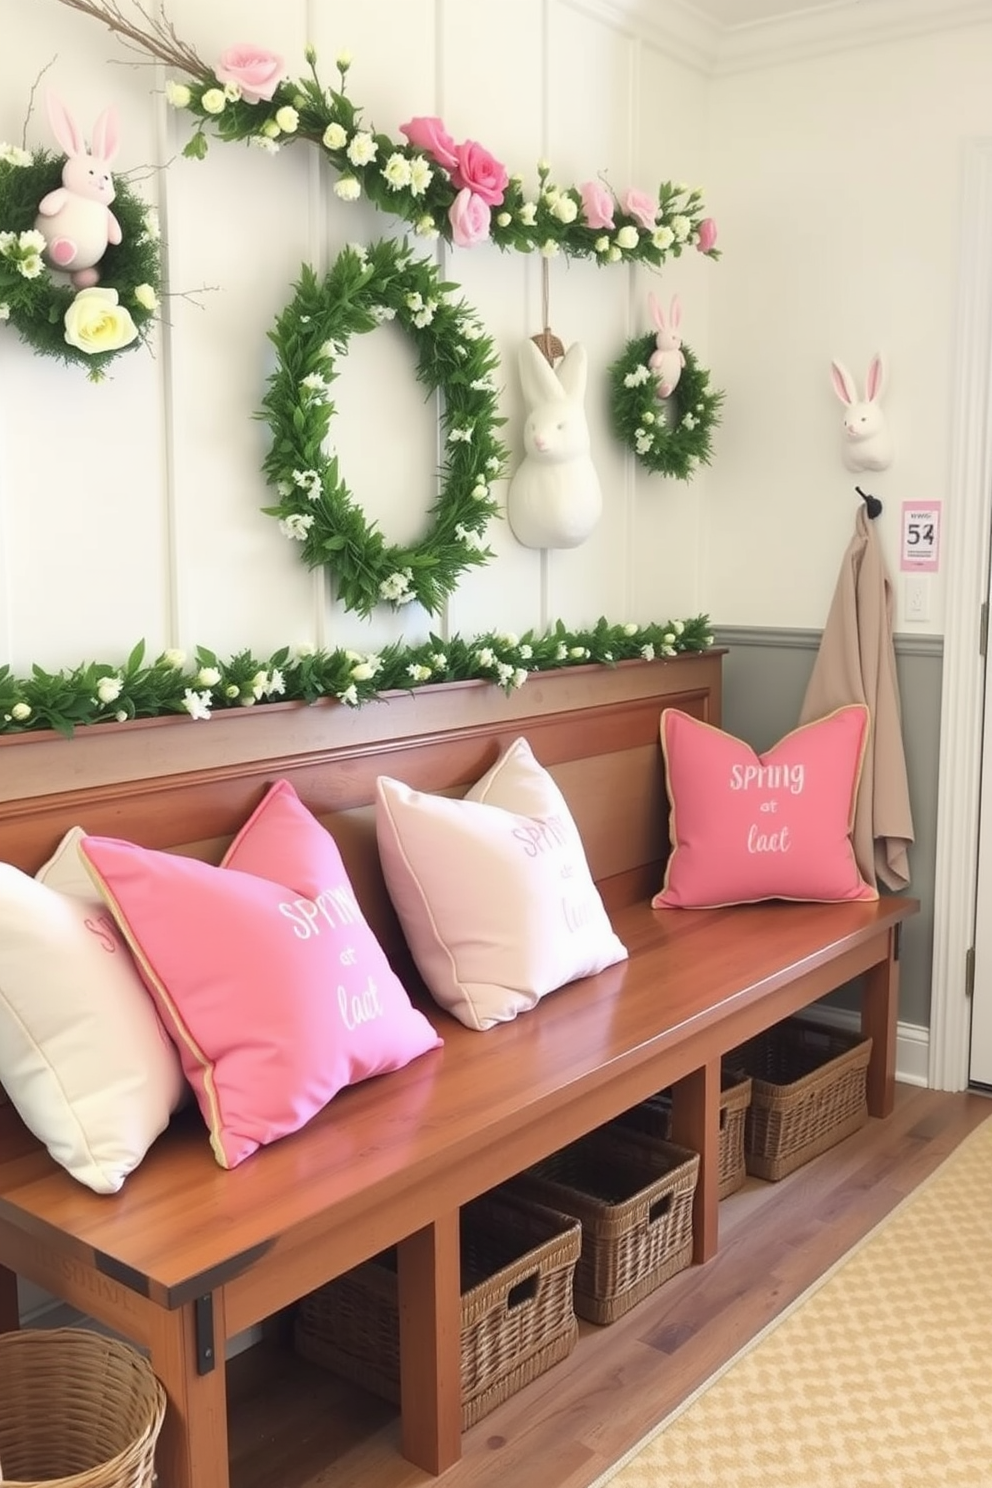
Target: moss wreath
pixel 640 421
pixel 36 303
pixel 365 287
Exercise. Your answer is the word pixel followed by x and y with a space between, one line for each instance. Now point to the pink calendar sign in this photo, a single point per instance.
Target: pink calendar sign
pixel 920 549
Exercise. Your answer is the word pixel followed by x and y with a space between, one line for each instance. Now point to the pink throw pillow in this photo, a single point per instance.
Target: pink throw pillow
pixel 745 826
pixel 264 970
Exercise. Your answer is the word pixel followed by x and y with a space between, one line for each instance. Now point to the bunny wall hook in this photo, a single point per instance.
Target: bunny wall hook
pixel 668 359
pixel 75 219
pixel 554 499
pixel 867 441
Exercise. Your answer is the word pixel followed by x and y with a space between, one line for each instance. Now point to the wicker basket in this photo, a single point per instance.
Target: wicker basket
pixel 633 1194
pixel 655 1117
pixel 808 1092
pixel 517 1261
pixel 76 1409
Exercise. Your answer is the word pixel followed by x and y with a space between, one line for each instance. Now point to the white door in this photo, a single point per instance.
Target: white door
pixel 981 1008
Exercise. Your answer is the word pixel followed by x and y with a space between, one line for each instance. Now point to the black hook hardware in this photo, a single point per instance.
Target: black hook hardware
pixel 871 502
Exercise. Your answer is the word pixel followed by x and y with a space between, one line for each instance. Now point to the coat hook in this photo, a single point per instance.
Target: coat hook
pixel 871 502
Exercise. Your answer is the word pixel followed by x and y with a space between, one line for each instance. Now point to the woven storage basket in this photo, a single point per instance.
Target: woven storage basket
pixel 655 1117
pixel 77 1410
pixel 808 1092
pixel 517 1261
pixel 633 1194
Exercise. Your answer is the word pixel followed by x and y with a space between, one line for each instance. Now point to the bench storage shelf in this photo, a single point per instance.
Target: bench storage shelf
pixel 188 1255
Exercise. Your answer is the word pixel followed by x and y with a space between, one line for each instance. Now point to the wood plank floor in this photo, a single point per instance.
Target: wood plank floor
pixel 293 1426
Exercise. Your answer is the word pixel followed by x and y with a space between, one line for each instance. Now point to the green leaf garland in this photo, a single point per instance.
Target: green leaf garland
pixel 671 436
pixel 364 288
pixel 99 692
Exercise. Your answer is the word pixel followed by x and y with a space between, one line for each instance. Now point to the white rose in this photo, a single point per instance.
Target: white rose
pixel 288 119
pixel 208 676
pixel 177 94
pixel 146 296
pixel 334 137
pixel 20 712
pixel 347 189
pixel 108 689
pixel 214 101
pixel 96 322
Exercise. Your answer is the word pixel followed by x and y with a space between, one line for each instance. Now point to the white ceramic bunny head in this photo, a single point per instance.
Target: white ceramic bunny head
pixel 668 359
pixel 75 219
pixel 867 441
pixel 554 498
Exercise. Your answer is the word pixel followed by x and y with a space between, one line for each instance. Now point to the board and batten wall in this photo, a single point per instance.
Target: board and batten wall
pixel 132 509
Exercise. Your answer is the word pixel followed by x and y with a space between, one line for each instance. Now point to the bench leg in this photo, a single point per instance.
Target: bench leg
pixel 10 1312
pixel 429 1277
pixel 192 1449
pixel 879 1015
pixel 696 1124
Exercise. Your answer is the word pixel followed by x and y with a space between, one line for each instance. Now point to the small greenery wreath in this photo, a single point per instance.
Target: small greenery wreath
pixel 36 302
pixel 365 287
pixel 676 446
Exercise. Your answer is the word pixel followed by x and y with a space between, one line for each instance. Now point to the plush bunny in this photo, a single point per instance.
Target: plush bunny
pixel 75 219
pixel 554 498
pixel 867 441
pixel 669 359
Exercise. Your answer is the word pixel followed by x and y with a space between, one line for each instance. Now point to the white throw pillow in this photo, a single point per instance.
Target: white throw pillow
pixel 83 1055
pixel 493 891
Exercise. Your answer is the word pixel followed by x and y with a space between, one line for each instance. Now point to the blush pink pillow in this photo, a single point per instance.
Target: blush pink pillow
pixel 265 972
pixel 745 826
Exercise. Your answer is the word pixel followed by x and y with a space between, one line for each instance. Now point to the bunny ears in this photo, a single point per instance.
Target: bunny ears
pixel 846 388
pixel 106 131
pixel 658 315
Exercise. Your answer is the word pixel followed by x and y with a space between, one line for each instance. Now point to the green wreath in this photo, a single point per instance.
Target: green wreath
pixel 102 323
pixel 364 288
pixel 666 445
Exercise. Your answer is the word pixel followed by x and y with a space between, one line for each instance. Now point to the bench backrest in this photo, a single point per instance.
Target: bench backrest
pixel 184 786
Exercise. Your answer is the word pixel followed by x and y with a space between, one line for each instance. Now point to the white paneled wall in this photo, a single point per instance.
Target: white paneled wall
pixel 132 509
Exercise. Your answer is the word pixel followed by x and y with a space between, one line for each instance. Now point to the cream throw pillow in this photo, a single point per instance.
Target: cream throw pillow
pixel 83 1055
pixel 493 891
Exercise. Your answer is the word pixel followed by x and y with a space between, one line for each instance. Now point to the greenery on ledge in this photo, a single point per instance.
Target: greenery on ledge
pixel 96 692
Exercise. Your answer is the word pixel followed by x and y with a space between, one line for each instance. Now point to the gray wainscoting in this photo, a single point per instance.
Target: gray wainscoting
pixel 765 676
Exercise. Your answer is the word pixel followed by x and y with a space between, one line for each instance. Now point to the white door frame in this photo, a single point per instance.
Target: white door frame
pixel 962 696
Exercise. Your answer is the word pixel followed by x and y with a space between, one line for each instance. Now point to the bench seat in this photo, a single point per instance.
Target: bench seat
pixel 188 1255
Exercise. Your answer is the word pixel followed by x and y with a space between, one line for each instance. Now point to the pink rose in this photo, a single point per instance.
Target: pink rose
pixel 469 216
pixel 257 73
pixel 638 204
pixel 430 135
pixel 476 169
pixel 707 235
pixel 597 204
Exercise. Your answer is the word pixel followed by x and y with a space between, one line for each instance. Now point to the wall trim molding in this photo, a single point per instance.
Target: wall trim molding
pixel 912 1041
pixel 906 643
pixel 815 34
pixel 683 33
pixel 677 30
pixel 963 691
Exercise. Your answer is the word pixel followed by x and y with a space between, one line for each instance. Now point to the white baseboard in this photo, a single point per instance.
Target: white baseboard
pixel 912 1041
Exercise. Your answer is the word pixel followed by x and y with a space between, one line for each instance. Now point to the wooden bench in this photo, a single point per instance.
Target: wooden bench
pixel 187 1255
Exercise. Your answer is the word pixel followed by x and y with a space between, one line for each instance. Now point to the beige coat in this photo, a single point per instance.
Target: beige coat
pixel 856 664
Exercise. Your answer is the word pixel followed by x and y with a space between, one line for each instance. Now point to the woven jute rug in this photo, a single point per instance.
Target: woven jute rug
pixel 879 1376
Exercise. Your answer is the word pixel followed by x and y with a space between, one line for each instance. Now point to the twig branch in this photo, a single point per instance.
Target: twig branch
pixel 31 97
pixel 157 37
